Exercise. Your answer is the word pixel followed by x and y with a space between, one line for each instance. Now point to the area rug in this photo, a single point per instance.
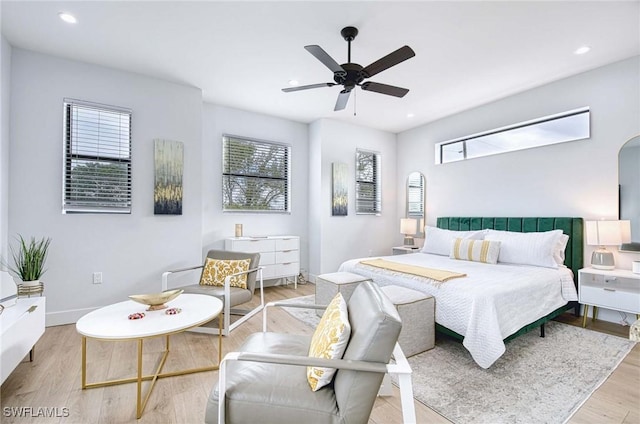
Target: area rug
pixel 537 380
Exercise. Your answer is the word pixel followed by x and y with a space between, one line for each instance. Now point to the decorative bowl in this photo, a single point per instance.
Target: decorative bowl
pixel 156 301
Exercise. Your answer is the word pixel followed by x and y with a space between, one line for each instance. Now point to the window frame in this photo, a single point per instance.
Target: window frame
pixel 440 147
pixel 286 179
pixel 70 143
pixel 376 183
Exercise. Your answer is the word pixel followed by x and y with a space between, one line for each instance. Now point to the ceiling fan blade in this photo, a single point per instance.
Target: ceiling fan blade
pixel 343 98
pixel 324 57
pixel 390 90
pixel 392 59
pixel 306 87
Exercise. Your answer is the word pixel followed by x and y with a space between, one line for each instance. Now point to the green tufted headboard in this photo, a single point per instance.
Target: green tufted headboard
pixel 573 227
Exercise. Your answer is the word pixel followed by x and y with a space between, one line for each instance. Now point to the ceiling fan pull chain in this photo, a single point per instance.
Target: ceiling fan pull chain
pixel 355 95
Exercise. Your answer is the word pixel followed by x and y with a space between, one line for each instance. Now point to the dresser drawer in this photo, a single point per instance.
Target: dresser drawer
pixel 250 245
pixel 610 297
pixel 288 269
pixel 269 272
pixel 287 256
pixel 292 243
pixel 267 258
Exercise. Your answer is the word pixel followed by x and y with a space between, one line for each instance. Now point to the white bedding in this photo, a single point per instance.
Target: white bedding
pixel 490 304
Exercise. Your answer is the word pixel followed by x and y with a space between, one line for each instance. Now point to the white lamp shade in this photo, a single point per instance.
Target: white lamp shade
pixel 408 226
pixel 608 233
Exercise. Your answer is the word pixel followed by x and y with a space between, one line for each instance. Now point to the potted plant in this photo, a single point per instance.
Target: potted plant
pixel 29 259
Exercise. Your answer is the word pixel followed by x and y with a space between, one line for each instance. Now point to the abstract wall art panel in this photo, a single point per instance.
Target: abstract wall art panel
pixel 340 185
pixel 169 166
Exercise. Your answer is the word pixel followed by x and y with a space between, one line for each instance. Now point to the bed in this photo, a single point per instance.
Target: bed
pixel 492 303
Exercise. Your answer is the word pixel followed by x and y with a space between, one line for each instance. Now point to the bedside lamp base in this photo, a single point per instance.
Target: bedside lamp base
pixel 602 259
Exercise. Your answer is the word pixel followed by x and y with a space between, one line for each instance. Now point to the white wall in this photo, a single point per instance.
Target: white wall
pixel 571 179
pixel 132 250
pixel 5 93
pixel 218 120
pixel 338 238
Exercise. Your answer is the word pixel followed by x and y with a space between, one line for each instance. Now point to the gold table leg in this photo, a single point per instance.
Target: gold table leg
pixel 140 403
pixel 584 317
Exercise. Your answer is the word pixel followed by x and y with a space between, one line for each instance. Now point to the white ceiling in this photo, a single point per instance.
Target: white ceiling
pixel 242 53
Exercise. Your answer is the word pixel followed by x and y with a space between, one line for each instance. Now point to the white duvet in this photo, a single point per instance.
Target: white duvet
pixel 489 304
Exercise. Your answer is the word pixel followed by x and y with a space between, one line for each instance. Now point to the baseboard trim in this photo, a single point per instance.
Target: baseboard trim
pixel 66 317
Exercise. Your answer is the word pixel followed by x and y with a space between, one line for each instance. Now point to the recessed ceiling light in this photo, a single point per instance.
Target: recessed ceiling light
pixel 582 50
pixel 410 115
pixel 293 82
pixel 67 17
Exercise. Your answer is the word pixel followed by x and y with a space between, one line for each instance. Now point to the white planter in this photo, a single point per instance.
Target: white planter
pixel 31 283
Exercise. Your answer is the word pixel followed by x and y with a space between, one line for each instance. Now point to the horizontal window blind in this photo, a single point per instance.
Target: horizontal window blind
pixel 415 195
pixel 97 168
pixel 255 175
pixel 368 193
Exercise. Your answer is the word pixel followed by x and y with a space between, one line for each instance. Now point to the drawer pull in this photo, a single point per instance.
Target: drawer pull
pixel 608 289
pixel 286 263
pixel 32 308
pixel 286 251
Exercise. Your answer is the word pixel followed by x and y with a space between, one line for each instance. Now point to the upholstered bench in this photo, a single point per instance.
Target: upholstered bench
pixel 328 285
pixel 417 311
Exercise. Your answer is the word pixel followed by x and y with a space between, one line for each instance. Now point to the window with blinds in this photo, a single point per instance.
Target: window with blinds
pixel 415 195
pixel 97 151
pixel 368 182
pixel 255 175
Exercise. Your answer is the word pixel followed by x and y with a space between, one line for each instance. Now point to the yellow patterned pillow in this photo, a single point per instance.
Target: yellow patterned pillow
pixel 329 341
pixel 216 270
pixel 486 251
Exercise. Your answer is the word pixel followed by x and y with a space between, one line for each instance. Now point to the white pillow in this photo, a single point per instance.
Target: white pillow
pixel 484 251
pixel 561 245
pixel 535 248
pixel 438 241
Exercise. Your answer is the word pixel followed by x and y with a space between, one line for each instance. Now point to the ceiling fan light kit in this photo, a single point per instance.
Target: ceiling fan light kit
pixel 349 75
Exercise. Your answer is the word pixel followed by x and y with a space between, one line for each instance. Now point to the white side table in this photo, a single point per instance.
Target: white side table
pixel 618 289
pixel 403 250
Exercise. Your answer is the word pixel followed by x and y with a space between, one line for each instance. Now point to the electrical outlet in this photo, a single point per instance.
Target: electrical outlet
pixel 97 278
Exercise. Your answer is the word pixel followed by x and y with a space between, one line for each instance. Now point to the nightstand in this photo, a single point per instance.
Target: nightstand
pixel 618 289
pixel 403 250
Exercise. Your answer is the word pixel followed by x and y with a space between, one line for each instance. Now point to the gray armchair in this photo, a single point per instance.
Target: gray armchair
pixel 266 379
pixel 230 296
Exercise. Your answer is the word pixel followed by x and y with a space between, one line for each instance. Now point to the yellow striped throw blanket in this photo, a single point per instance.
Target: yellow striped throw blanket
pixel 431 273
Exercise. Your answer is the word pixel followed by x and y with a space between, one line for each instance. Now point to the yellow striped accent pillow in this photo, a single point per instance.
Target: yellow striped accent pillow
pixel 485 251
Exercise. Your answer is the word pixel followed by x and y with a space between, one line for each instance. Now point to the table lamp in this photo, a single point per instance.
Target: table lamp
pixel 606 233
pixel 408 228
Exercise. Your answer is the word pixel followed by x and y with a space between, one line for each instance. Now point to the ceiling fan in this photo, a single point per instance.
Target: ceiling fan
pixel 350 75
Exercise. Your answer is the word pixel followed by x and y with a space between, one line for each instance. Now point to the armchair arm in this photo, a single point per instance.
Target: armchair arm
pixel 288 305
pixel 304 361
pixel 165 275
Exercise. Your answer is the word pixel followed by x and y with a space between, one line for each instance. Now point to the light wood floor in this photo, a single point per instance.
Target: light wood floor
pixel 53 379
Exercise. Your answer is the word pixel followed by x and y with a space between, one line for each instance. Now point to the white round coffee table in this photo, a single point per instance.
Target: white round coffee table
pixel 112 323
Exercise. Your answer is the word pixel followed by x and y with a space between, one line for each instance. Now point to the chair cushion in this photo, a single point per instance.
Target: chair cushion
pixel 280 393
pixel 216 270
pixel 236 294
pixel 329 341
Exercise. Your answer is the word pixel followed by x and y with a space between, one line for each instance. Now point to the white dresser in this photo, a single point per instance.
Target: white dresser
pixel 279 255
pixel 21 326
